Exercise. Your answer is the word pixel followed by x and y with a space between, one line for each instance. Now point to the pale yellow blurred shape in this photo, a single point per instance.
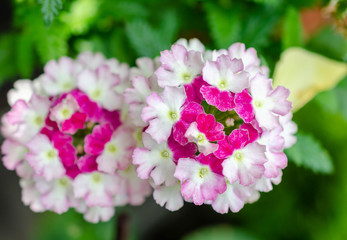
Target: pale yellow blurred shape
pixel 306 73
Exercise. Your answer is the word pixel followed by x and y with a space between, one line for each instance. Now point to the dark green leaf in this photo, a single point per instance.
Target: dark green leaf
pixel 334 101
pixel 123 10
pixel 7 57
pixel 25 55
pixel 141 36
pixel 50 9
pixel 71 226
pixel 330 43
pixel 268 2
pixel 221 232
pixel 168 28
pixel 292 29
pixel 258 28
pixel 119 47
pixel 225 26
pixel 309 153
pixel 149 41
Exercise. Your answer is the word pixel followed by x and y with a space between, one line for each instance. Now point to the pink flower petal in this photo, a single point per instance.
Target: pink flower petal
pixel 243 106
pixel 95 142
pixel 181 151
pixel 193 90
pixel 223 100
pixel 207 124
pixel 74 123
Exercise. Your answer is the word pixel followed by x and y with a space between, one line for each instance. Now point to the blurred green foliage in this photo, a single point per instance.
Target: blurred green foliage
pixel 308 153
pixel 126 29
pixel 220 232
pixel 306 205
pixel 71 225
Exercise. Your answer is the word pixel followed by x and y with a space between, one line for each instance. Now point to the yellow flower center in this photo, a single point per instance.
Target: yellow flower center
pixel 96 177
pixel 111 148
pixel 63 182
pixel 238 156
pixel 222 85
pixel 203 171
pixel 95 94
pixel 258 103
pixel 51 154
pixel 173 115
pixel 165 154
pixel 186 77
pixel 38 121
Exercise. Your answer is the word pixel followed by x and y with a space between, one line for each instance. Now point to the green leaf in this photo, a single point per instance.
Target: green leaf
pixel 221 232
pixel 25 55
pixel 149 41
pixel 292 30
pixel 49 43
pixel 142 37
pixel 258 28
pixel 71 226
pixel 269 2
pixel 123 10
pixel 52 43
pixel 7 57
pixel 225 26
pixel 169 27
pixel 330 43
pixel 119 46
pixel 81 15
pixel 93 44
pixel 309 153
pixel 334 101
pixel 50 9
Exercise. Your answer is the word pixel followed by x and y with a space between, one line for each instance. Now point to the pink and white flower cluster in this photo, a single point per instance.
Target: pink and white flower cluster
pixel 69 140
pixel 194 125
pixel 214 128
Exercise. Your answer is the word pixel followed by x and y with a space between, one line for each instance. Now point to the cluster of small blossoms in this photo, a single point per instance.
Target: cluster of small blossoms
pixel 214 128
pixel 69 139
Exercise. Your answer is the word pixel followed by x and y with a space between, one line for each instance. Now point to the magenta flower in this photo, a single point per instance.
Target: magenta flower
pixel 66 139
pixel 220 107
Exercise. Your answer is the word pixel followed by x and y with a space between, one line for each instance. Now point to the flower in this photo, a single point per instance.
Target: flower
pixel 215 129
pixel 68 138
pixel 178 66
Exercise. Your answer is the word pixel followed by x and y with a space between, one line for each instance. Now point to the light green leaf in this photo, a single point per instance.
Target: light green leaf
pixel 49 43
pixel 221 232
pixel 292 30
pixel 52 43
pixel 81 15
pixel 310 154
pixel 50 9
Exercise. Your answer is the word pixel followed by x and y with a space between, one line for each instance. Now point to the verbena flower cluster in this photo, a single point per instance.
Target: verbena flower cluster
pixel 214 127
pixel 194 125
pixel 69 140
